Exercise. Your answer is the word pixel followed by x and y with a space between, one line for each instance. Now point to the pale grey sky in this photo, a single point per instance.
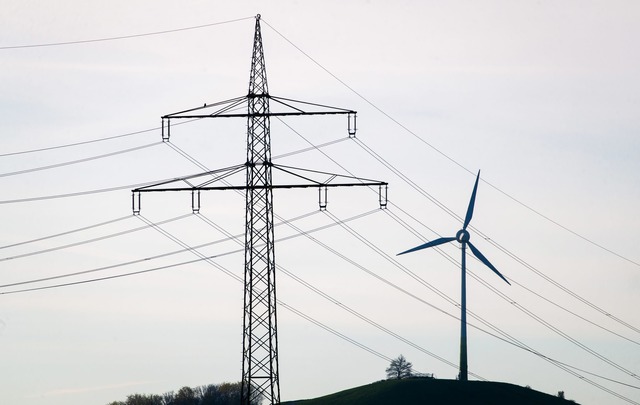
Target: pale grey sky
pixel 542 96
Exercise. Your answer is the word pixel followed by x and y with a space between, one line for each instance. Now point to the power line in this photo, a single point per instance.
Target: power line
pixel 84 228
pixel 279 301
pixel 521 345
pixel 137 185
pixel 312 288
pixel 83 160
pixel 440 152
pixel 553 328
pixel 517 343
pixel 86 241
pixel 93 280
pixel 558 285
pixel 86 41
pixel 307 234
pixel 568 368
pixel 384 255
pixel 74 194
pixel 108 138
pixel 406 226
pixel 513 281
pixel 143 260
pixel 314 147
pixel 420 190
pixel 500 294
pixel 326 296
pixel 356 313
pixel 150 258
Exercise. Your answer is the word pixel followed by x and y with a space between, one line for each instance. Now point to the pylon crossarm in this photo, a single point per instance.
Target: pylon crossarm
pixel 329 181
pixel 266 187
pixel 237 107
pixel 216 175
pixel 289 102
pixel 223 106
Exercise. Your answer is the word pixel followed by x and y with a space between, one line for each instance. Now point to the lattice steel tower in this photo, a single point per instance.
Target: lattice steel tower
pixel 260 337
pixel 260 374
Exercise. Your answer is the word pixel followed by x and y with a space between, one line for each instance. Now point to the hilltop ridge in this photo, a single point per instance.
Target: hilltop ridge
pixel 436 392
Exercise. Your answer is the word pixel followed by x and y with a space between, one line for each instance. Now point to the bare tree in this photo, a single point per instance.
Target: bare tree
pixel 399 368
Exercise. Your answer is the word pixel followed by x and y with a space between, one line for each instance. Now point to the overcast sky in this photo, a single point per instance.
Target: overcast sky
pixel 543 97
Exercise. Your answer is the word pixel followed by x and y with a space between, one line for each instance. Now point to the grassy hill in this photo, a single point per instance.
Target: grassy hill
pixel 436 392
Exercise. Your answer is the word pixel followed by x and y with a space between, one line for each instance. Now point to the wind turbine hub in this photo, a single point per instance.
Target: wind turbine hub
pixel 463 236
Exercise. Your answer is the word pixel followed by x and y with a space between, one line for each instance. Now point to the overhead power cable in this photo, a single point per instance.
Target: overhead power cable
pixel 553 328
pixel 184 154
pixel 537 318
pixel 456 263
pixel 353 312
pixel 279 301
pixel 384 255
pixel 86 241
pixel 84 228
pixel 561 365
pixel 420 190
pixel 558 285
pixel 83 160
pixel 439 250
pixel 308 235
pixel 501 295
pixel 314 147
pixel 167 254
pixel 512 340
pixel 93 280
pixel 451 159
pixel 74 194
pixel 133 186
pixel 116 38
pixel 299 280
pixel 573 370
pixel 106 138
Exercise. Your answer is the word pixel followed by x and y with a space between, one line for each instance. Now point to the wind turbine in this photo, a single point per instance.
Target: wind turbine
pixel 463 237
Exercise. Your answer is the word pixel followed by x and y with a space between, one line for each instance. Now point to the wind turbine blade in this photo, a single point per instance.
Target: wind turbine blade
pixel 472 203
pixel 433 243
pixel 484 260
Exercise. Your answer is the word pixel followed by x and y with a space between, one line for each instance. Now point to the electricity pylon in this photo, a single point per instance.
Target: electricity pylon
pixel 260 374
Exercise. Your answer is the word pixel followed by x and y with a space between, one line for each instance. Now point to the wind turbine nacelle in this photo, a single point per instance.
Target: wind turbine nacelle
pixel 463 236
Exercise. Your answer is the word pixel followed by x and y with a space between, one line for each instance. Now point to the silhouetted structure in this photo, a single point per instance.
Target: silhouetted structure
pixel 260 375
pixel 463 237
pixel 399 368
